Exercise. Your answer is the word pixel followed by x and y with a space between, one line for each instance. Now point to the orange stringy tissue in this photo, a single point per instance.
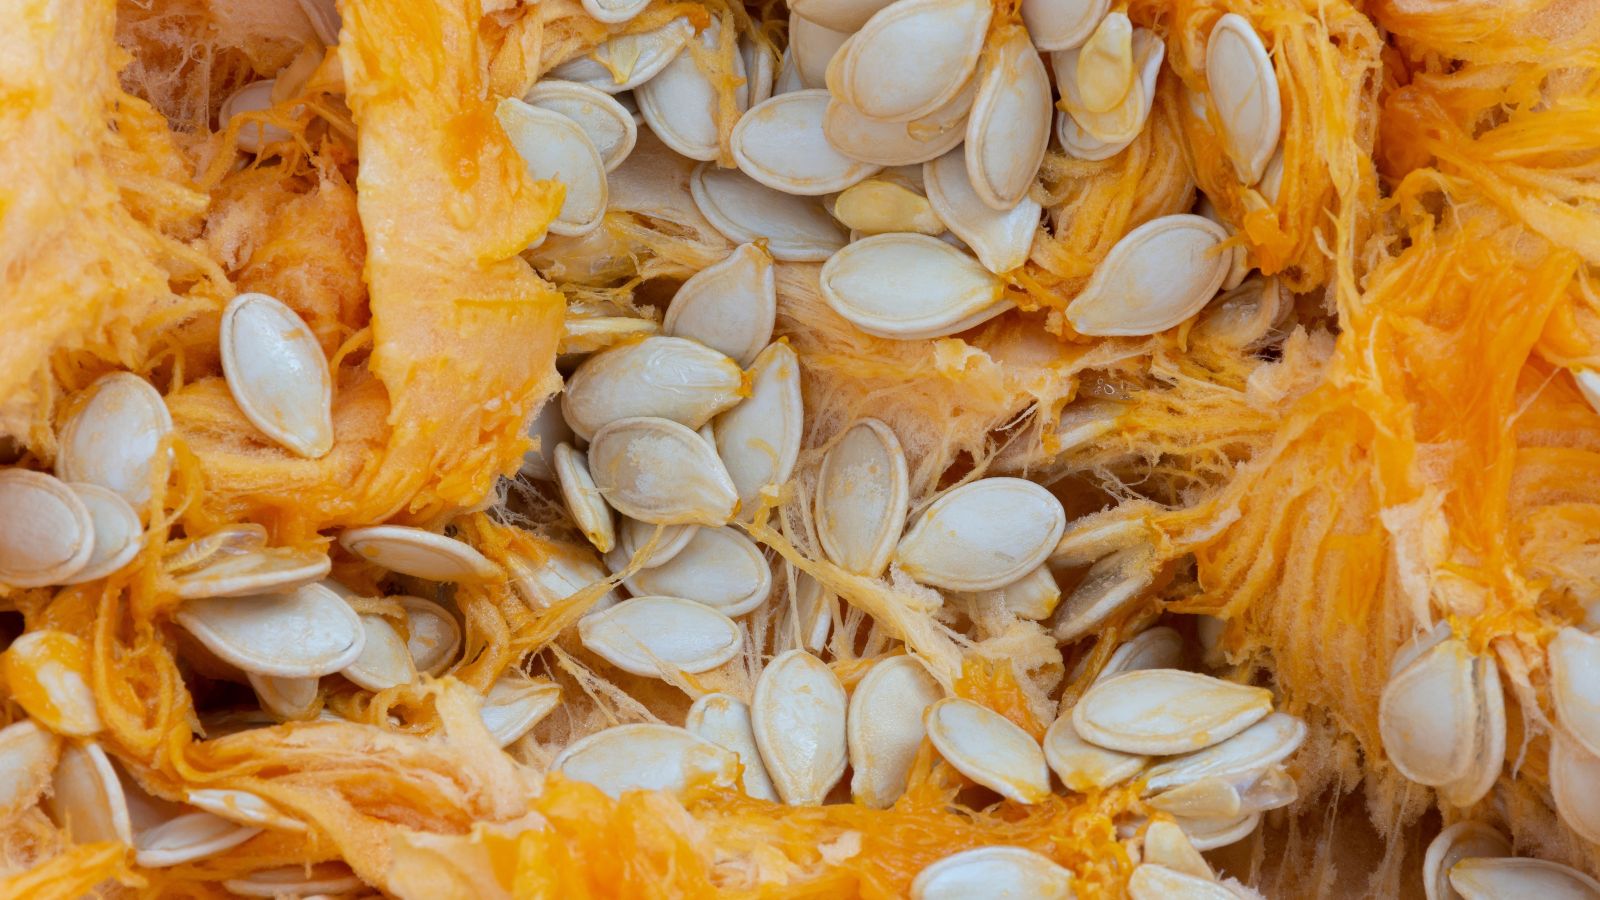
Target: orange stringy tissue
pixel 1419 439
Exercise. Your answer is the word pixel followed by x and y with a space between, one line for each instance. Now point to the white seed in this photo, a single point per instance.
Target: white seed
pixel 680 103
pixel 1167 711
pixel 320 880
pixel 760 66
pixel 1157 648
pixel 629 60
pixel 28 755
pixel 658 471
pixel 614 12
pixel 256 96
pixel 230 540
pixel 46 531
pixel 1257 748
pixel 1588 381
pixel 1575 787
pixel 1033 596
pixel 385 661
pixel 798 714
pixel 242 807
pixel 609 126
pixel 112 439
pixel 910 58
pixel 813 47
pixel 781 144
pixel 796 229
pixel 870 140
pixel 1429 713
pixel 419 553
pixel 982 535
pixel 1166 845
pixel 862 493
pixel 86 796
pixel 647 757
pixel 759 440
pixel 1455 843
pixel 719 567
pixel 729 306
pixel 662 635
pixel 1209 834
pixel 884 728
pixel 1009 126
pixel 1082 766
pixel 724 720
pixel 1001 239
pixel 1152 882
pixel 307 632
pixel 277 374
pixel 1156 276
pixel 117 532
pixel 1062 24
pixel 432 634
pixel 989 749
pixel 635 535
pixel 910 287
pixel 808 616
pixel 289 698
pixel 993 872
pixel 1488 740
pixel 188 838
pixel 1274 789
pixel 1207 798
pixel 1508 878
pixel 587 508
pixel 1112 585
pixel 563 570
pixel 666 377
pixel 1245 90
pixel 515 703
pixel 555 148
pixel 263 571
pixel 839 15
pixel 1574 661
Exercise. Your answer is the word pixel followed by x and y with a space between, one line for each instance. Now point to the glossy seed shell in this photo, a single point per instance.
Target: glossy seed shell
pixel 1152 882
pixel 277 374
pixel 993 872
pixel 1082 766
pixel 307 632
pixel 112 439
pixel 117 532
pixel 884 728
pixel 419 553
pixel 647 757
pixel 910 287
pixel 911 57
pixel 798 714
pixel 719 567
pixel 1156 276
pixel 1000 238
pixel 555 148
pixel 608 125
pixel 1167 711
pixel 242 807
pixel 516 703
pixel 729 306
pixel 385 660
pixel 46 531
pixel 1453 844
pixel 888 143
pixel 1062 24
pixel 1498 879
pixel 724 720
pixel 982 535
pixel 667 377
pixel 1245 90
pixel 988 748
pixel 626 61
pixel 680 102
pixel 269 570
pixel 188 838
pixel 797 229
pixel 1111 585
pixel 759 440
pixel 649 635
pixel 1009 126
pixel 1574 660
pixel 86 796
pixel 28 754
pixel 1262 745
pixel 658 471
pixel 1428 714
pixel 862 493
pixel 781 144
pixel 432 634
pixel 584 503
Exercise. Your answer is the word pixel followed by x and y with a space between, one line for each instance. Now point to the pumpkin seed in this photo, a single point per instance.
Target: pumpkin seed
pixel 1428 715
pixel 720 568
pixel 117 536
pixel 112 439
pixel 724 720
pixel 188 838
pixel 1455 843
pixel 608 125
pixel 680 102
pixel 989 749
pixel 1111 586
pixel 658 471
pixel 432 634
pixel 1167 711
pixel 813 46
pixel 290 698
pixel 242 807
pixel 254 97
pixel 1255 749
pixel 277 374
pixel 614 12
pixel 1205 798
pixel 839 15
pixel 626 61
pixel 1574 661
pixel 808 616
pixel 1153 882
pixel 657 635
pixel 1033 596
pixel 1246 316
pixel 556 148
pixel 303 633
pixel 46 531
pixel 584 503
pixel 985 534
pixel 1210 834
pixel 882 205
pixel 1156 276
pixel 788 74
pixel 1588 381
pixel 635 536
pixel 1009 126
pixel 419 553
pixel 1082 766
pixel 798 714
pixel 1079 425
pixel 86 796
pixel 781 144
pixel 1105 64
pixel 760 67
pixel 884 728
pixel 667 377
pixel 1239 265
pixel 47 674
pixel 647 757
pixel 321 879
pixel 1245 90
pixel 1501 879
pixel 1101 135
pixel 28 755
pixel 1166 845
pixel 910 287
pixel 759 440
pixel 910 58
pixel 1062 24
pixel 796 229
pixel 1488 739
pixel 1274 789
pixel 862 493
pixel 230 540
pixel 269 570
pixel 1157 648
pixel 385 660
pixel 870 140
pixel 1001 239
pixel 564 570
pixel 993 872
pixel 515 703
pixel 1575 787
pixel 729 306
